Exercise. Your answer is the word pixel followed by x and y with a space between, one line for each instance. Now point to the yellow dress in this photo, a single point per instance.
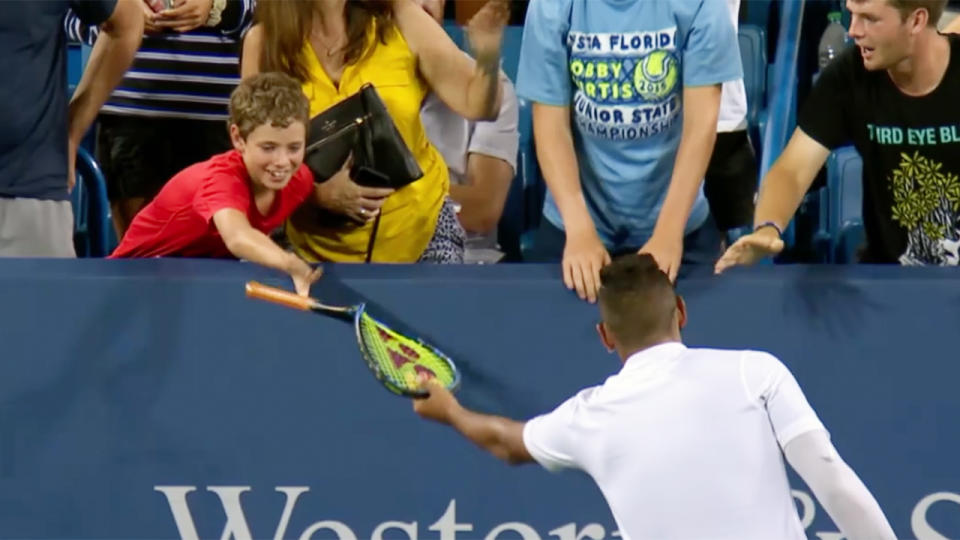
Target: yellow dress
pixel 409 215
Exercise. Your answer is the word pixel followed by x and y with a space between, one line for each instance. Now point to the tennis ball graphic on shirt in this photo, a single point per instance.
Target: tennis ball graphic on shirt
pixel 656 75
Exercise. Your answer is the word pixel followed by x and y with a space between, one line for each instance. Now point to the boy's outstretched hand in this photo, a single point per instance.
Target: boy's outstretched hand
pixel 303 275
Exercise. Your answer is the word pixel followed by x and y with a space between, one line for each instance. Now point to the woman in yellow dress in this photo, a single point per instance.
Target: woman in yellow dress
pixel 336 46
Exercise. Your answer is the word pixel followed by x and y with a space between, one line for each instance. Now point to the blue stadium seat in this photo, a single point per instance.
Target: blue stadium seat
pixel 512 222
pixel 455 31
pixel 763 114
pixel 847 212
pixel 77 56
pixel 74 66
pixel 512 39
pixel 510 51
pixel 521 213
pixel 753 55
pixel 758 13
pixel 93 234
pixel 841 233
pixel 534 188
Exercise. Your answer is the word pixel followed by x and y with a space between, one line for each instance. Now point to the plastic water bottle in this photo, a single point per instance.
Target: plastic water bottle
pixel 833 40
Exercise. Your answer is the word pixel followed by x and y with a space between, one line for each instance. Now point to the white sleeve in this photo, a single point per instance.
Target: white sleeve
pixel 552 439
pixel 842 494
pixel 500 138
pixel 769 383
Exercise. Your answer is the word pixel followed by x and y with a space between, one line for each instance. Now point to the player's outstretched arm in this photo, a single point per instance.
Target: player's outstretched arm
pixel 839 489
pixel 500 436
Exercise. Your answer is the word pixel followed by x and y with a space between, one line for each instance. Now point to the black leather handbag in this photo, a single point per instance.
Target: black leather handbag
pixel 360 125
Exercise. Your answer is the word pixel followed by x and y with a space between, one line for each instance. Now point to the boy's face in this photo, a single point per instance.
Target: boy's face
pixel 271 154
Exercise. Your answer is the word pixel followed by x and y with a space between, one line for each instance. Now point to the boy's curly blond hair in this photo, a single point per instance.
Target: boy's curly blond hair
pixel 268 98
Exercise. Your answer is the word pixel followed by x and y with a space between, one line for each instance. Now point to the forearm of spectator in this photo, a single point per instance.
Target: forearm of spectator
pixel 482 198
pixel 469 87
pixel 484 33
pixel 558 165
pixel 247 243
pixel 779 197
pixel 112 54
pixel 788 180
pixel 701 106
pixel 484 92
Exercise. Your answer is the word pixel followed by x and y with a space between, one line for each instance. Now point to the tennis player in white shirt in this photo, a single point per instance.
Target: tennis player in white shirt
pixel 684 443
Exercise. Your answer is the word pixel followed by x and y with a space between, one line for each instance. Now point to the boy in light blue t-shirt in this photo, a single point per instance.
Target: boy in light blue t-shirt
pixel 625 98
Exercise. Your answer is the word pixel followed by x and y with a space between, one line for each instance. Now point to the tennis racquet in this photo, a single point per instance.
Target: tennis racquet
pixel 396 360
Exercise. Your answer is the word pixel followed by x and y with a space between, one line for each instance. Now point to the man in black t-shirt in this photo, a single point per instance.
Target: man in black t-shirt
pixel 40 130
pixel 896 97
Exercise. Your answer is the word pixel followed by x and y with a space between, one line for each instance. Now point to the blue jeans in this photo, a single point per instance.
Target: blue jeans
pixel 703 246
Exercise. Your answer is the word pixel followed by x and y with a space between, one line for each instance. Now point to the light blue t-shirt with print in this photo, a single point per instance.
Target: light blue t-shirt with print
pixel 621 65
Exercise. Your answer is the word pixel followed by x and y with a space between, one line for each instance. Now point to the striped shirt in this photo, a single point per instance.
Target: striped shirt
pixel 179 75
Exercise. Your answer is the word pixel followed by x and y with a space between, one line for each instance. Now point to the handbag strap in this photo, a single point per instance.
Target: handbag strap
pixel 373 237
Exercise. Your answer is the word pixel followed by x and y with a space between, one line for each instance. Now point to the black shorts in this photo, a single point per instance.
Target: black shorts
pixel 731 180
pixel 139 155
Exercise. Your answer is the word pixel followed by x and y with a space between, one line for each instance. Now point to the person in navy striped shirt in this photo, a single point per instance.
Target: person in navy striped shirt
pixel 170 110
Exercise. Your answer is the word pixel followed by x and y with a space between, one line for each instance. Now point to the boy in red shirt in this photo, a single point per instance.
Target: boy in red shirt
pixel 226 206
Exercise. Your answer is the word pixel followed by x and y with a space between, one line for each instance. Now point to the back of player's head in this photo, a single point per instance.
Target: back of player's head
pixel 637 300
pixel 268 98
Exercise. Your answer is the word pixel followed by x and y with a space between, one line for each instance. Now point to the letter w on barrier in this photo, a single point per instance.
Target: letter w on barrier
pixel 236 525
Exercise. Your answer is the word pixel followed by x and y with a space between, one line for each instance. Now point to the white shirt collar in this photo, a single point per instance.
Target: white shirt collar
pixel 654 355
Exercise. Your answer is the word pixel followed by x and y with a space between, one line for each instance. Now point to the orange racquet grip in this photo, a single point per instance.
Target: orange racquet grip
pixel 278 296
